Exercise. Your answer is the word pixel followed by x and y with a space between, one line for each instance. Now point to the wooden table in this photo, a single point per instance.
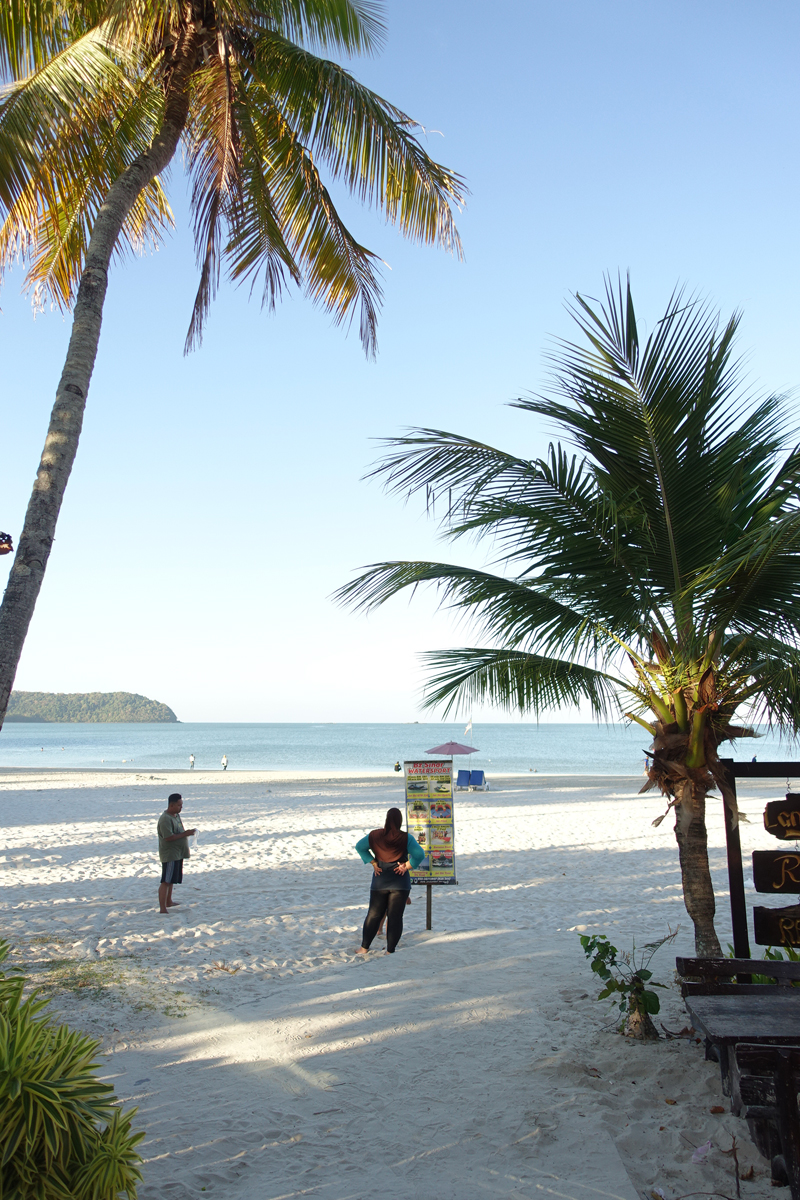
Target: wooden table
pixel 770 1020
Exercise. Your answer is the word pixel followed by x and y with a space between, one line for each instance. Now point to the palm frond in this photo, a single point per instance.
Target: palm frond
pixel 51 214
pixel 33 32
pixel 546 517
pixel 515 681
pixel 776 691
pixel 668 421
pixel 518 612
pixel 353 26
pixel 363 140
pixel 754 586
pixel 336 271
pixel 214 167
pixel 61 92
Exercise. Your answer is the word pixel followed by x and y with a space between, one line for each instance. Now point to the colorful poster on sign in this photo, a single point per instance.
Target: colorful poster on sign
pixel 429 815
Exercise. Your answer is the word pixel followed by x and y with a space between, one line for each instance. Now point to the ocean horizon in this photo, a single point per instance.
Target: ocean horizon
pixel 546 748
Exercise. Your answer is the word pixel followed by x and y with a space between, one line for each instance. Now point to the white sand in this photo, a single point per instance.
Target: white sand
pixel 269 1063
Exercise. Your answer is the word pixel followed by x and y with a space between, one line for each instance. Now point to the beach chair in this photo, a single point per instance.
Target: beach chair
pixel 462 781
pixel 478 781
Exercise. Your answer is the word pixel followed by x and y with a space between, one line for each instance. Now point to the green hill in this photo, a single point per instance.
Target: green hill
pixel 86 706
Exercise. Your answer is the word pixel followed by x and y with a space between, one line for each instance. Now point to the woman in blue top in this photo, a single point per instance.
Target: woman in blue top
pixel 391 854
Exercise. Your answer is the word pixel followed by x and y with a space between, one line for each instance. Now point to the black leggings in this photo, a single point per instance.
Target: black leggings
pixel 389 904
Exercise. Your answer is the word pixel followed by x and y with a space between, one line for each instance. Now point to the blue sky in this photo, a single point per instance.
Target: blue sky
pixel 217 499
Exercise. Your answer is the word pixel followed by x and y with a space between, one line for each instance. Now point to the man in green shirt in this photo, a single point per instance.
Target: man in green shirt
pixel 173 848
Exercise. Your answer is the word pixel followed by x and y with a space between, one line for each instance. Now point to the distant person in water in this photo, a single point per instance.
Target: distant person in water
pixel 391 853
pixel 224 762
pixel 191 762
pixel 173 848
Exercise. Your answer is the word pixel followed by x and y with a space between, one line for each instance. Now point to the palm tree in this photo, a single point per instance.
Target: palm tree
pixel 653 574
pixel 99 96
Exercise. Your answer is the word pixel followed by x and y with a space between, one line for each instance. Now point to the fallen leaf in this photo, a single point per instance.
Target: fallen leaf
pixel 717 1108
pixel 749 1173
pixel 661 1128
pixel 670 1101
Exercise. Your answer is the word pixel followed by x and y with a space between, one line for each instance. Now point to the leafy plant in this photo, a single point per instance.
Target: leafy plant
pixel 627 976
pixel 776 954
pixel 62 1136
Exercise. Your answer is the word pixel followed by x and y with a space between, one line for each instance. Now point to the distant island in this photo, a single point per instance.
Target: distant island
pixel 86 706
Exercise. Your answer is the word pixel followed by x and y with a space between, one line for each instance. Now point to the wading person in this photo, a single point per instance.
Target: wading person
pixel 173 848
pixel 391 854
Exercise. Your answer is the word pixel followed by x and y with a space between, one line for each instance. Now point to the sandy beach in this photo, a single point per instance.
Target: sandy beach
pixel 269 1063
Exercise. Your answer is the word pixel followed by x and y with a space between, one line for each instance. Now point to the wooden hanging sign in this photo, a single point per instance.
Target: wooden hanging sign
pixel 782 817
pixel 777 926
pixel 776 871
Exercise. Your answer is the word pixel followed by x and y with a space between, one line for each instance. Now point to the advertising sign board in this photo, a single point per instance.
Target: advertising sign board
pixel 430 818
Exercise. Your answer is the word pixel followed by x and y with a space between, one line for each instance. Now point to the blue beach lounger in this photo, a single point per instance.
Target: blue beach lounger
pixel 477 780
pixel 462 781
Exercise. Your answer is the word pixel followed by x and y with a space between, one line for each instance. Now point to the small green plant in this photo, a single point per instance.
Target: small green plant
pixel 62 1135
pixel 628 978
pixel 781 954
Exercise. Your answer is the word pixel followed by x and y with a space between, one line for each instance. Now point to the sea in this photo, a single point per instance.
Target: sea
pixel 546 748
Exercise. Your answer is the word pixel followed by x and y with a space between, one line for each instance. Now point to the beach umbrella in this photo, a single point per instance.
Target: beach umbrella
pixel 452 748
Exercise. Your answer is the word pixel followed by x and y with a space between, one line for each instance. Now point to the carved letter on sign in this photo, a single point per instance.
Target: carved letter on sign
pixel 776 871
pixel 777 926
pixel 782 817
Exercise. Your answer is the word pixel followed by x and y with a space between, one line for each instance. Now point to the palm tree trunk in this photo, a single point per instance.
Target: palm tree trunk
pixel 61 443
pixel 698 891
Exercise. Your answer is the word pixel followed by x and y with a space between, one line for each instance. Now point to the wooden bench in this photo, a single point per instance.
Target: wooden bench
pixel 769 1079
pixel 753 1031
pixel 727 1008
pixel 720 976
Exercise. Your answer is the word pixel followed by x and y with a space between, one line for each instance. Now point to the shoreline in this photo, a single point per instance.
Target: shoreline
pixel 276 775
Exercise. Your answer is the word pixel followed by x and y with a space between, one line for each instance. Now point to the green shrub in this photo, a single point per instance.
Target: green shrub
pixel 61 1135
pixel 627 977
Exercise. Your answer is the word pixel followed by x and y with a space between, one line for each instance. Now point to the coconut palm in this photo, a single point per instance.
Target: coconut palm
pixel 654 574
pixel 99 96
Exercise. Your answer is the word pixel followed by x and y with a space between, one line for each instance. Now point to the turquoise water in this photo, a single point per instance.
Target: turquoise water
pixel 549 748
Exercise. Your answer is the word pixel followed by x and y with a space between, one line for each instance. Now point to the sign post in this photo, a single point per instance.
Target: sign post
pixel 430 818
pixel 774 871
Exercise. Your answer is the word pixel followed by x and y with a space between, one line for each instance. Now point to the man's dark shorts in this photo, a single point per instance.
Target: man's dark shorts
pixel 172 872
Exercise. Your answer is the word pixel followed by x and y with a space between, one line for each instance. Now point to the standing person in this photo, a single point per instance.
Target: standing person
pixel 173 848
pixel 191 762
pixel 391 853
pixel 224 762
